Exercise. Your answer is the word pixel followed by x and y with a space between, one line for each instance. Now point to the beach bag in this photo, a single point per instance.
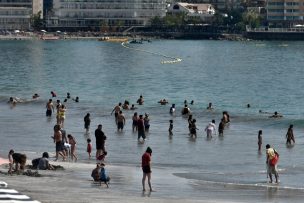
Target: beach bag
pixel 274 160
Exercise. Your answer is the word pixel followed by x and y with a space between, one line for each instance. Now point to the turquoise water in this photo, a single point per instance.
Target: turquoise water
pixel 268 75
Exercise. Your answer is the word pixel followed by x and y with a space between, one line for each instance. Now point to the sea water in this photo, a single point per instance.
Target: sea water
pixel 267 75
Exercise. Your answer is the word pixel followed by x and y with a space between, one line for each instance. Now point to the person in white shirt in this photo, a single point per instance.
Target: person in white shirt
pixel 211 129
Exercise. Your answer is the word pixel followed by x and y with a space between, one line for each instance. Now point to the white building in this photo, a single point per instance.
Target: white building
pixel 203 11
pixel 95 13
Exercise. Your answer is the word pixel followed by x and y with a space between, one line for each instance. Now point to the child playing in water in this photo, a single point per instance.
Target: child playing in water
pixel 89 147
pixel 11 161
pixel 72 142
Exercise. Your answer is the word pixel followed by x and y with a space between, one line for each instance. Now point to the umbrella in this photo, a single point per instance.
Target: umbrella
pixel 58 31
pixel 42 30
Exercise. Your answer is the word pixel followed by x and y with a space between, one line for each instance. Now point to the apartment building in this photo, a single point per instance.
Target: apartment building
pixel 285 12
pixel 15 14
pixel 84 14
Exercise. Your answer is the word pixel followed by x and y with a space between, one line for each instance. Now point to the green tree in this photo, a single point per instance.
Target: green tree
pixel 37 22
pixel 252 19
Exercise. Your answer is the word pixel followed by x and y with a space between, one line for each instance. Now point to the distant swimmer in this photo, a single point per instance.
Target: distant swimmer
pixel 260 139
pixel 126 105
pixel 35 96
pixel 185 102
pixel 76 99
pixel 210 129
pixel 53 94
pixel 210 107
pixel 133 107
pixel 68 96
pixel 264 112
pixel 172 109
pixel 186 110
pixel 276 115
pixel 163 102
pixel 248 105
pixel 192 102
pixel 290 135
pixel 14 100
pixel 140 100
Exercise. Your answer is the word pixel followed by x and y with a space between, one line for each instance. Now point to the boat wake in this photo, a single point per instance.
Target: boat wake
pixel 173 59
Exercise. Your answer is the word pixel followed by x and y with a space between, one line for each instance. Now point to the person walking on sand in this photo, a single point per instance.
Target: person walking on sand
pixel 49 108
pixel 100 141
pixel 72 142
pixel 272 157
pixel 146 168
pixel 87 122
pixel 290 135
pixel 260 139
pixel 210 129
pixel 120 121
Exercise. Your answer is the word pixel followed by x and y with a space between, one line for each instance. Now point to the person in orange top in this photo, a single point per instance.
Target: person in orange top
pixel 272 157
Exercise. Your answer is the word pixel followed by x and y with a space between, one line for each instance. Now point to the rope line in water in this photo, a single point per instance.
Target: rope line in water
pixel 174 60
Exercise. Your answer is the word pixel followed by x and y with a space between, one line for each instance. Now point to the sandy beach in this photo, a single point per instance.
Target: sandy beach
pixel 75 185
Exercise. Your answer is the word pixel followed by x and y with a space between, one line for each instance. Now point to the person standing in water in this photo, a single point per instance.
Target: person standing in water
pixel 87 122
pixel 272 157
pixel 120 121
pixel 49 108
pixel 146 168
pixel 141 128
pixel 170 127
pixel 260 139
pixel 116 109
pixel 290 135
pixel 221 128
pixel 210 129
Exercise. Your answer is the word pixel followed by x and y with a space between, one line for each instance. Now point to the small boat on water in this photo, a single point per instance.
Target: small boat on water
pixel 114 39
pixel 49 37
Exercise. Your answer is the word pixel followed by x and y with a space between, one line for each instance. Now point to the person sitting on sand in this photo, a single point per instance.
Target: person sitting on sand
pixel 276 115
pixel 103 175
pixel 95 173
pixel 43 163
pixel 163 102
pixel 19 159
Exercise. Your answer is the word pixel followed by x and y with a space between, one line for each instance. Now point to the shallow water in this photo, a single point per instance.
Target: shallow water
pixel 267 75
